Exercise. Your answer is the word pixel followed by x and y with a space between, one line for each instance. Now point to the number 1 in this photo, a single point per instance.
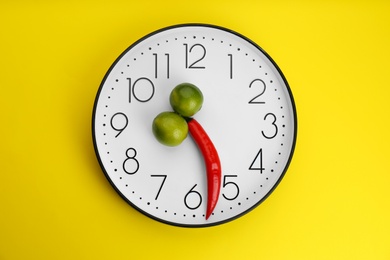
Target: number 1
pixel 231 65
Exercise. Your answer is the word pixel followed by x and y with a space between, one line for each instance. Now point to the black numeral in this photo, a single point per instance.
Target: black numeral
pixel 162 183
pixel 131 164
pixel 232 185
pixel 261 85
pixel 156 65
pixel 119 122
pixel 193 199
pixel 273 121
pixel 257 163
pixel 197 50
pixel 142 89
pixel 231 65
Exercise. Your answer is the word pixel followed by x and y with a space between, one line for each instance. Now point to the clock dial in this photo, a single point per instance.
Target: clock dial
pixel 248 113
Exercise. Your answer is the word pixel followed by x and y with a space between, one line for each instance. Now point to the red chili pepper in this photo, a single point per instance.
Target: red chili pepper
pixel 211 159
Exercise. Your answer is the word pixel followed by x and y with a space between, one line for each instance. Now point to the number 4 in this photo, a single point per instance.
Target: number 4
pixel 257 163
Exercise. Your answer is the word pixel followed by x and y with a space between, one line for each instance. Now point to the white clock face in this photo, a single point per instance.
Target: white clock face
pixel 248 113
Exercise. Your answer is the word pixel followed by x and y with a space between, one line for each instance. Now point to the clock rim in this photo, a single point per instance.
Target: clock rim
pixel 294 111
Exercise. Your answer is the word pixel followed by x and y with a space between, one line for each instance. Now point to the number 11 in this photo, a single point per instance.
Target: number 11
pixel 155 64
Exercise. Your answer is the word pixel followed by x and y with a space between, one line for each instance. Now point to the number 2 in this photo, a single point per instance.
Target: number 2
pixel 262 90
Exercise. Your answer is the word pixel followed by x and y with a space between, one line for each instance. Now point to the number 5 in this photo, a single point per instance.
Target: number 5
pixel 225 183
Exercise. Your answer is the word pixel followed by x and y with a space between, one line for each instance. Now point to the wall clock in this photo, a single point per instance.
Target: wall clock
pixel 248 113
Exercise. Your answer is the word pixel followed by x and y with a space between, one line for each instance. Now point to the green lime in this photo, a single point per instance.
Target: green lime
pixel 170 128
pixel 186 99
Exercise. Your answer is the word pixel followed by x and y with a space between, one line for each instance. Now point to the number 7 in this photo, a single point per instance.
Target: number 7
pixel 162 184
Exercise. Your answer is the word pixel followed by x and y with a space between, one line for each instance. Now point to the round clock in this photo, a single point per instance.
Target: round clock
pixel 248 113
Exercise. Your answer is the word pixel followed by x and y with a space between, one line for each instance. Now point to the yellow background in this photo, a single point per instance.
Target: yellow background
pixel 334 202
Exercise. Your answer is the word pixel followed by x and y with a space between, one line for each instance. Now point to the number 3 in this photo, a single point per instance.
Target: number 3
pixel 273 123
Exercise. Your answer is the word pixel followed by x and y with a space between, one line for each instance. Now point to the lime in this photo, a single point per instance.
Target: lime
pixel 170 128
pixel 186 99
